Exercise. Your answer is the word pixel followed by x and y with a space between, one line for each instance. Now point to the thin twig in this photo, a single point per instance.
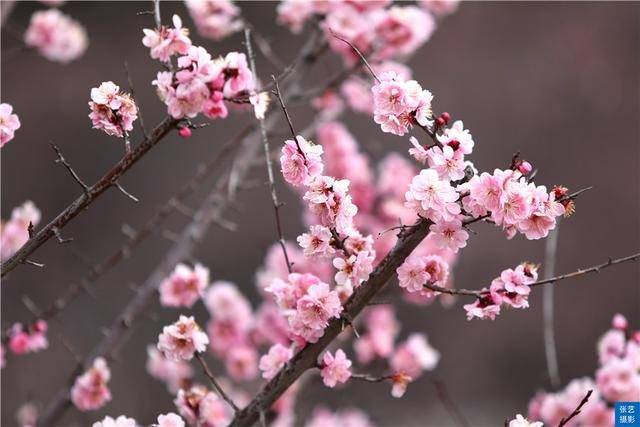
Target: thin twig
pixel 594 269
pixel 265 143
pixel 125 192
pixel 89 195
pixel 215 384
pixel 60 159
pixel 550 257
pixel 284 108
pixel 576 411
pixel 357 51
pixel 449 404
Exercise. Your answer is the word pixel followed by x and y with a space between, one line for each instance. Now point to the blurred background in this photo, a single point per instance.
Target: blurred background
pixel 558 82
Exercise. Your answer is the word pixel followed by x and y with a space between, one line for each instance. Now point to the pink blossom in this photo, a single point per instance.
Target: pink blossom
pixel 449 234
pixel 448 163
pixel 414 355
pixel 260 102
pixel 382 328
pixel 350 24
pixel 238 76
pixel 165 42
pixel 170 420
pixel 515 203
pixel 225 334
pixel 618 380
pixel 486 190
pixel 439 7
pixel 288 293
pixel 432 197
pixel 457 137
pixel 330 200
pixel 90 391
pixel 56 36
pixel 349 417
pixel 483 308
pixel 173 373
pixel 242 362
pixel 182 339
pixel 403 30
pixel 317 242
pixel 619 322
pixel 318 306
pixel 215 19
pixel 184 286
pixel 418 152
pixel 301 160
pixel 121 421
pixel 15 232
pixel 399 382
pixel 520 421
pixel 225 302
pixel 355 269
pixel 611 345
pixel 274 360
pixel 294 13
pixel 271 326
pixel 9 123
pixel 201 407
pixel 27 415
pixel 112 111
pixel 412 274
pixel 335 369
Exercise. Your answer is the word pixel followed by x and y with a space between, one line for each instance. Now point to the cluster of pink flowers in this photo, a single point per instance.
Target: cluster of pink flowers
pixel 9 123
pixel 231 330
pixel 31 339
pixel 380 31
pixel 164 42
pixel 399 104
pixel 174 373
pixel 15 232
pixel 215 19
pixel 200 406
pixel 382 327
pixel 56 36
pixel 514 203
pixel 409 360
pixel 184 286
pixel 202 85
pixel 348 417
pixel 307 302
pixel 418 270
pixel 301 160
pixel 90 391
pixel 181 340
pixel 112 111
pixel 511 289
pixel 617 379
pixel 274 360
pixel 335 369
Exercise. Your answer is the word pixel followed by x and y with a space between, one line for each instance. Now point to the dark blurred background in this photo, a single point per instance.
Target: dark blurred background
pixel 558 82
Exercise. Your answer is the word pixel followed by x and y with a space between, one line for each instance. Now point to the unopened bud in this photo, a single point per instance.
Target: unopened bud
pixel 185 132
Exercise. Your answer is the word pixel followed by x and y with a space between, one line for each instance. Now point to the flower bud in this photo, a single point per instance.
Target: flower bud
pixel 185 132
pixel 524 167
pixel 446 117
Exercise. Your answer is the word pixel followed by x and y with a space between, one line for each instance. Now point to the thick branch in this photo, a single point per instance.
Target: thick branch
pixel 89 196
pixel 307 357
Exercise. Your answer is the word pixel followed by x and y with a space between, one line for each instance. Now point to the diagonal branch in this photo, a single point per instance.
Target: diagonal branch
pixel 306 358
pixel 90 195
pixel 213 381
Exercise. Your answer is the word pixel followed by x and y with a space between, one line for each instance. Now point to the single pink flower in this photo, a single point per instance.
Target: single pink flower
pixel 90 391
pixel 335 369
pixel 56 36
pixel 182 339
pixel 9 123
pixel 274 360
pixel 184 286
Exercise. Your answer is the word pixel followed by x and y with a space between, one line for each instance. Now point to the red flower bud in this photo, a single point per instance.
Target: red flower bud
pixel 446 117
pixel 185 132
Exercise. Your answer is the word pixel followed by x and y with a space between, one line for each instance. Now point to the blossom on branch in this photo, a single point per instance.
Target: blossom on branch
pixel 111 110
pixel 215 19
pixel 121 421
pixel 9 123
pixel 182 339
pixel 335 369
pixel 90 391
pixel 184 286
pixel 164 42
pixel 15 232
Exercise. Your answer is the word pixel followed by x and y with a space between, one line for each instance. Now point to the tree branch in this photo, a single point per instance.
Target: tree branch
pixel 90 195
pixel 576 411
pixel 215 384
